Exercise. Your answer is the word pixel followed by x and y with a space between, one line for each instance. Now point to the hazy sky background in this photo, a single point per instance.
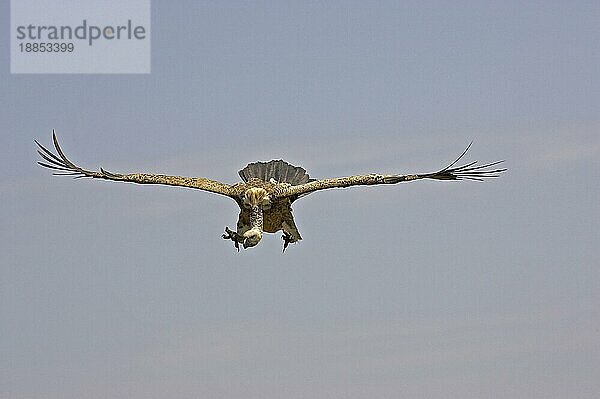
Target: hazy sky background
pixel 426 289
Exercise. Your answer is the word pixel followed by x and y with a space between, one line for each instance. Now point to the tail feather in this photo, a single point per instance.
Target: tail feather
pixel 279 170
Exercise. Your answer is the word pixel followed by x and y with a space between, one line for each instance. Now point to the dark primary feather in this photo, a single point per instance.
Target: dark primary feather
pixel 464 172
pixel 64 166
pixel 468 171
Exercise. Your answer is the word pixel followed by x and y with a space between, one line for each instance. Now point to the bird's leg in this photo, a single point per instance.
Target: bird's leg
pixel 287 239
pixel 290 231
pixel 233 236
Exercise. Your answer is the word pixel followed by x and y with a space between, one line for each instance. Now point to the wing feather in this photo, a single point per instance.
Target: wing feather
pixel 468 171
pixel 60 163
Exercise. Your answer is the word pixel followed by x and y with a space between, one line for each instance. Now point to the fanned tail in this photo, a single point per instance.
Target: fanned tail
pixel 278 170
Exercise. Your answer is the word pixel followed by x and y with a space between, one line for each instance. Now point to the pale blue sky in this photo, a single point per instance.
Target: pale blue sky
pixel 427 289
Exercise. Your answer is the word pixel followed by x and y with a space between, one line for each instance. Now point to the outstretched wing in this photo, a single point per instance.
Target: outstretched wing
pixel 63 166
pixel 469 171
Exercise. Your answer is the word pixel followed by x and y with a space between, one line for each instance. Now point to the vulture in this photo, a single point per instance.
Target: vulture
pixel 267 190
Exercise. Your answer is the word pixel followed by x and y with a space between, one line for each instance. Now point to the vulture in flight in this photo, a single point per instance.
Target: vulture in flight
pixel 267 190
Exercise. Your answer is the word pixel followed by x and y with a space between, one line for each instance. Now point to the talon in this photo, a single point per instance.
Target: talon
pixel 231 235
pixel 287 238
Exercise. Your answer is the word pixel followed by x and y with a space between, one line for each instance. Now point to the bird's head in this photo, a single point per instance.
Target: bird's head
pixel 252 237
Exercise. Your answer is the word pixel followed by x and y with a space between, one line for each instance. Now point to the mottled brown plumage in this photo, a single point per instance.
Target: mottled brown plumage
pixel 268 189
